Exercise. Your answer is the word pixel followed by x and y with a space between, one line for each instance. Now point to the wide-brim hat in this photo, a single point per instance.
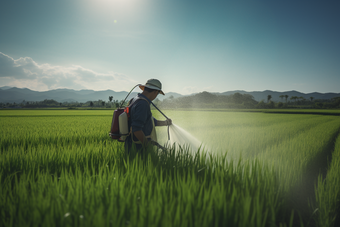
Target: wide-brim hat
pixel 152 84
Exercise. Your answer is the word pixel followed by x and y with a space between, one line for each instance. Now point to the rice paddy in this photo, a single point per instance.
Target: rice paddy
pixel 60 168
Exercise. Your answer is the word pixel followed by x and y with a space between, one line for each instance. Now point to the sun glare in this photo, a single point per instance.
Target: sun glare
pixel 115 3
pixel 124 8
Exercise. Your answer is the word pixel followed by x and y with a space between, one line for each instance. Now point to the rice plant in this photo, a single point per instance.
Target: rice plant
pixel 327 193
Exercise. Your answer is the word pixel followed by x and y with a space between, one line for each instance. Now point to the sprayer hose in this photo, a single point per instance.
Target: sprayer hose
pixel 168 132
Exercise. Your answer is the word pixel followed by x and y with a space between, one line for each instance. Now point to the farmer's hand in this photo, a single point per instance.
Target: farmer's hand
pixel 168 121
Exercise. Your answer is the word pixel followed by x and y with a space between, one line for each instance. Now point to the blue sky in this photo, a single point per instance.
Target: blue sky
pixel 191 46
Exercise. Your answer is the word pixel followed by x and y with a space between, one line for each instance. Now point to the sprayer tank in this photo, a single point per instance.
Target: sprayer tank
pixel 123 125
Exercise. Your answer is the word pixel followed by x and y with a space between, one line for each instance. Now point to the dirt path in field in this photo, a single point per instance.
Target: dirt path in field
pixel 303 193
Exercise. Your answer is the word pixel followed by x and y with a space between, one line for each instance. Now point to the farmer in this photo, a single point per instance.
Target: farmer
pixel 141 122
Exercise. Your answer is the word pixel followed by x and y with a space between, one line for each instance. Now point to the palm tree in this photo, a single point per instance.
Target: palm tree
pixel 286 96
pixel 294 98
pixel 301 98
pixel 110 99
pixel 297 99
pixel 269 97
pixel 311 98
pixel 282 96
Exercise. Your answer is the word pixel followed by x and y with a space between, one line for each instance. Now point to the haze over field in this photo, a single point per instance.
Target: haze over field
pixel 191 46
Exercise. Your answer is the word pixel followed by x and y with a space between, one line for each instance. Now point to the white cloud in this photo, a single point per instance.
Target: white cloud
pixel 25 72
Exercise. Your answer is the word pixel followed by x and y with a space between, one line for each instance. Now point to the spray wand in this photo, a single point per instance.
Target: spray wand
pixel 158 145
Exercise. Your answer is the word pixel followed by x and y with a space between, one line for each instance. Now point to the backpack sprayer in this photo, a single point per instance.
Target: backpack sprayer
pixel 119 126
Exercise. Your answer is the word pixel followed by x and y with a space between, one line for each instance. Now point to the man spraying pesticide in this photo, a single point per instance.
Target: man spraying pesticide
pixel 135 124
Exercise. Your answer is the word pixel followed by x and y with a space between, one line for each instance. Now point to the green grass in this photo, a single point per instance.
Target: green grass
pixel 149 192
pixel 55 112
pixel 60 168
pixel 328 192
pixel 305 111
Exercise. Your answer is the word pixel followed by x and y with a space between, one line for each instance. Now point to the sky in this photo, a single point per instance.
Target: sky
pixel 189 45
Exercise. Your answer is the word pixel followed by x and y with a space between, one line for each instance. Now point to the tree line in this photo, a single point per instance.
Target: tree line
pixel 200 100
pixel 50 103
pixel 244 101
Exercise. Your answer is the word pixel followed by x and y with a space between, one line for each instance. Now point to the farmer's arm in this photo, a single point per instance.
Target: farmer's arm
pixel 163 123
pixel 140 136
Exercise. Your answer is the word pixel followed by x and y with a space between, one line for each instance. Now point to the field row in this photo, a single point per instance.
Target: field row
pixel 328 192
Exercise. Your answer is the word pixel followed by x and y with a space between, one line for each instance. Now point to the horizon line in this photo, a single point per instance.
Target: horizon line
pixel 9 87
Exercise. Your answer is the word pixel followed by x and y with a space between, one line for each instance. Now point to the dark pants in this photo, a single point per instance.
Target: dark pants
pixel 129 145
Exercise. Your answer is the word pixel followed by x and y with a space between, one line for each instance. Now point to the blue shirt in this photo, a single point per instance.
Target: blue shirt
pixel 140 116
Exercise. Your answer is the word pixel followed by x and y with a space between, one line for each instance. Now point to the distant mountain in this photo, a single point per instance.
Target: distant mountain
pixel 262 95
pixel 5 88
pixel 66 95
pixel 13 94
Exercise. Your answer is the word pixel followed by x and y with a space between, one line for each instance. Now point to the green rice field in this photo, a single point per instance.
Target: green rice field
pixel 60 168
